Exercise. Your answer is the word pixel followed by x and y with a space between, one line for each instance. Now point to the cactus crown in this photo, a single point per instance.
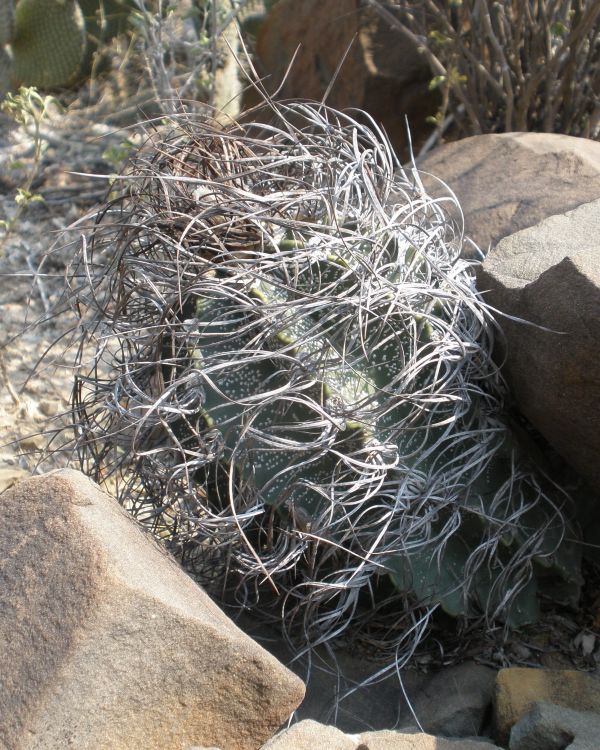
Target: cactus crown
pixel 300 388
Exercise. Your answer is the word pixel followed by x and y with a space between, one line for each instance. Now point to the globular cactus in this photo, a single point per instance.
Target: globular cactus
pixel 372 414
pixel 293 385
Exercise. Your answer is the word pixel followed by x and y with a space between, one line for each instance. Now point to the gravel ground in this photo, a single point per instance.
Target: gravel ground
pixel 34 257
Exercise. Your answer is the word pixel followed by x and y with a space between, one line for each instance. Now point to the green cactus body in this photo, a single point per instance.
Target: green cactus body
pixel 358 365
pixel 49 42
pixel 6 69
pixel 278 466
pixel 434 568
pixel 7 21
pixel 104 20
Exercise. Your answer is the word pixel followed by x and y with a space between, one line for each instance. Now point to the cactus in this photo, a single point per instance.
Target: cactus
pixel 7 21
pixel 46 42
pixel 300 388
pixel 50 43
pixel 6 70
pixel 356 373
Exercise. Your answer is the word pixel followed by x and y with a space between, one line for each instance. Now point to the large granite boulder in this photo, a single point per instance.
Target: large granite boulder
pixel 106 643
pixel 549 275
pixel 511 181
pixel 383 73
pixel 531 201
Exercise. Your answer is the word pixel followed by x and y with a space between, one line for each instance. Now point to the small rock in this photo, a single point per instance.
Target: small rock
pixel 585 642
pixel 33 442
pixel 551 727
pixel 310 735
pixel 388 740
pixel 519 688
pixel 520 652
pixel 50 408
pixel 106 643
pixel 455 701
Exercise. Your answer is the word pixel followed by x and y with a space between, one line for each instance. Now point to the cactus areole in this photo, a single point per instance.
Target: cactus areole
pixel 294 384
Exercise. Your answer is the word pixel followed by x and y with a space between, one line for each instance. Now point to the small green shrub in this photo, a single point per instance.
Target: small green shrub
pixel 30 110
pixel 508 65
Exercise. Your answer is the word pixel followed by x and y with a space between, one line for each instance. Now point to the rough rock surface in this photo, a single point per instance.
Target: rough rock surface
pixel 518 689
pixel 549 275
pixel 310 735
pixel 383 73
pixel 455 701
pixel 550 727
pixel 511 181
pixel 106 643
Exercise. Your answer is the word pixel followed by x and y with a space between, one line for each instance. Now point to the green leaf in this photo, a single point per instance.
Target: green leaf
pixel 558 28
pixel 438 37
pixel 24 197
pixel 437 81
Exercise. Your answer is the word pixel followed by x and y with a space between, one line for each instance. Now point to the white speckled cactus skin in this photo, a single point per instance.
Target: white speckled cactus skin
pixel 378 415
